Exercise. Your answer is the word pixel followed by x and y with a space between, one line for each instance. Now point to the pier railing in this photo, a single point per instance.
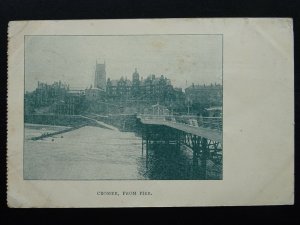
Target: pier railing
pixel 194 121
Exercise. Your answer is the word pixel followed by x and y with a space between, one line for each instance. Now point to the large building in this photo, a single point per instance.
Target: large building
pixel 46 94
pixel 100 76
pixel 54 98
pixel 203 96
pixel 156 89
pixel 72 104
pixel 119 89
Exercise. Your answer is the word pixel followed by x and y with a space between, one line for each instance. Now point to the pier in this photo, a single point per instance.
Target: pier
pixel 203 135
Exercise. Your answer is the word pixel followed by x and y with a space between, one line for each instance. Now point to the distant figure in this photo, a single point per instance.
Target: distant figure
pixel 52 139
pixel 61 136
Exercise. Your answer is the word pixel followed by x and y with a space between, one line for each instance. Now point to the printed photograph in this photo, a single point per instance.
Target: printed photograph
pixel 123 107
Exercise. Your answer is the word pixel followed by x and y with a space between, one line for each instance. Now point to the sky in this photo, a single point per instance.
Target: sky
pixel 184 59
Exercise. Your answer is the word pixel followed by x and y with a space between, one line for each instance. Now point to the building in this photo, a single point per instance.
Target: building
pixel 155 89
pixel 111 88
pixel 138 93
pixel 203 96
pixel 152 89
pixel 123 89
pixel 119 89
pixel 100 76
pixel 214 111
pixel 46 94
pixel 94 94
pixel 72 104
pixel 56 98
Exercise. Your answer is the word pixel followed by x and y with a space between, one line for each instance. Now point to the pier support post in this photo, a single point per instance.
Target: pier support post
pixel 142 145
pixel 195 142
pixel 178 140
pixel 147 145
pixel 204 157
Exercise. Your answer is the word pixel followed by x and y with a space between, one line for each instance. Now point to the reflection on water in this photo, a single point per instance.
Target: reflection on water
pixel 97 153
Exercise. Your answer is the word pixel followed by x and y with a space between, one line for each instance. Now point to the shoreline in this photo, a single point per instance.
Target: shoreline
pixel 63 129
pixel 28 125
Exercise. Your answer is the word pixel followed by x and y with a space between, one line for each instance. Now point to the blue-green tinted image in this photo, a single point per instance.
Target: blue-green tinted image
pixel 144 107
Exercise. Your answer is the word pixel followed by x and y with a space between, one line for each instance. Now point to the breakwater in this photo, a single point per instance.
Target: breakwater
pixel 45 135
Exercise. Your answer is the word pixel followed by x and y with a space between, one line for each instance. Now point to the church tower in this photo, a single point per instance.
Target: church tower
pixel 135 83
pixel 100 76
pixel 135 77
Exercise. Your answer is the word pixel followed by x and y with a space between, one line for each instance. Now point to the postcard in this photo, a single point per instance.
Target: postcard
pixel 150 113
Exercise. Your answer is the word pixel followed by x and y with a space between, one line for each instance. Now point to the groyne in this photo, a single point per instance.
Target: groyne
pixel 45 135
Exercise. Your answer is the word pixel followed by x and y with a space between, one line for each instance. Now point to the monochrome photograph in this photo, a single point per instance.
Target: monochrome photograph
pixel 123 107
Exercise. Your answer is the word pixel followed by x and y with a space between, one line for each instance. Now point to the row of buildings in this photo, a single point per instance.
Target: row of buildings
pixel 121 96
pixel 150 89
pixel 55 98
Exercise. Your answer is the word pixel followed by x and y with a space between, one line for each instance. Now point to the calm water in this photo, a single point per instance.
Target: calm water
pixel 97 153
